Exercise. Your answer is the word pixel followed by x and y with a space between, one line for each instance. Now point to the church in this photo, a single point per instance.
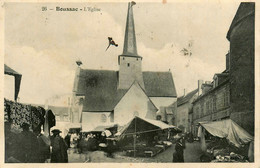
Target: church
pixel 103 97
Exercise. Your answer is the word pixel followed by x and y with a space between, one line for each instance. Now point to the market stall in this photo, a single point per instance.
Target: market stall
pixel 231 142
pixel 145 137
pixel 18 113
pixel 94 138
pixel 23 122
pixel 23 126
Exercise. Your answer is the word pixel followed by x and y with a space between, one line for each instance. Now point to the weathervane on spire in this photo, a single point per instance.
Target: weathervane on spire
pixel 133 3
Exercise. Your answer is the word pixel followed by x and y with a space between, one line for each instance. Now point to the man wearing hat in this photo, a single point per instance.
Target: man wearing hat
pixel 59 148
pixel 178 154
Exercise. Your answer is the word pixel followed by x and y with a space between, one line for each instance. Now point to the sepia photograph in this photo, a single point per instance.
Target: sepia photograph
pixel 129 82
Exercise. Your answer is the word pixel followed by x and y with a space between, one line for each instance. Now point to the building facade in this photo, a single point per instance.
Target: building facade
pixel 184 107
pixel 231 94
pixel 61 107
pixel 213 104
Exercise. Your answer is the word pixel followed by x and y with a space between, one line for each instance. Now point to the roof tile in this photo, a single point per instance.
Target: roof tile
pixel 101 93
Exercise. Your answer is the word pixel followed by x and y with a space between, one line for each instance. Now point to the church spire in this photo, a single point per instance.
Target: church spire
pixel 130 48
pixel 130 63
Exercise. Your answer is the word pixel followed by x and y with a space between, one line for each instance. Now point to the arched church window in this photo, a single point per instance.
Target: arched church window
pixel 128 64
pixel 123 58
pixel 103 118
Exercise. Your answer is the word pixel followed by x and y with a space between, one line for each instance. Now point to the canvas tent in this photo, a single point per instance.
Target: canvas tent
pixel 228 129
pixel 17 78
pixel 143 125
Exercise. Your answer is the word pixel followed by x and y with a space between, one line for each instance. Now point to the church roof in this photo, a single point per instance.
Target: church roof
pixel 101 93
pixel 159 84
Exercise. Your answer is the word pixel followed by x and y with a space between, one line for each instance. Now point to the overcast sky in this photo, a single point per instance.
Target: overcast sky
pixel 44 45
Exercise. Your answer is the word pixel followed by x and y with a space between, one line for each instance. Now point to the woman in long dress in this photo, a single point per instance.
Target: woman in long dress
pixel 59 148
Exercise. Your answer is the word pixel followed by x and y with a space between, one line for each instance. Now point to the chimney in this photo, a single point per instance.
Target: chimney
pixel 184 92
pixel 200 82
pixel 227 61
pixel 206 87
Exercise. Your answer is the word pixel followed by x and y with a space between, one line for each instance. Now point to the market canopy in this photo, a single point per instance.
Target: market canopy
pixel 143 125
pixel 17 78
pixel 228 129
pixel 96 128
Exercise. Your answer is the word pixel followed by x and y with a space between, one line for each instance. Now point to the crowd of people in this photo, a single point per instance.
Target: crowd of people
pixel 34 147
pixel 83 143
pixel 22 147
pixel 31 146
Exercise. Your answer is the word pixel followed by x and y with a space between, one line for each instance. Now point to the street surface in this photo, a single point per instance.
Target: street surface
pixel 192 153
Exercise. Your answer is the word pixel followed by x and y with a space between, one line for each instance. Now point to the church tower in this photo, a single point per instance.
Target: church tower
pixel 130 63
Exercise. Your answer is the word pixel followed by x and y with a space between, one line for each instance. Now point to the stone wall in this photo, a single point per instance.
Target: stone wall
pixel 242 81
